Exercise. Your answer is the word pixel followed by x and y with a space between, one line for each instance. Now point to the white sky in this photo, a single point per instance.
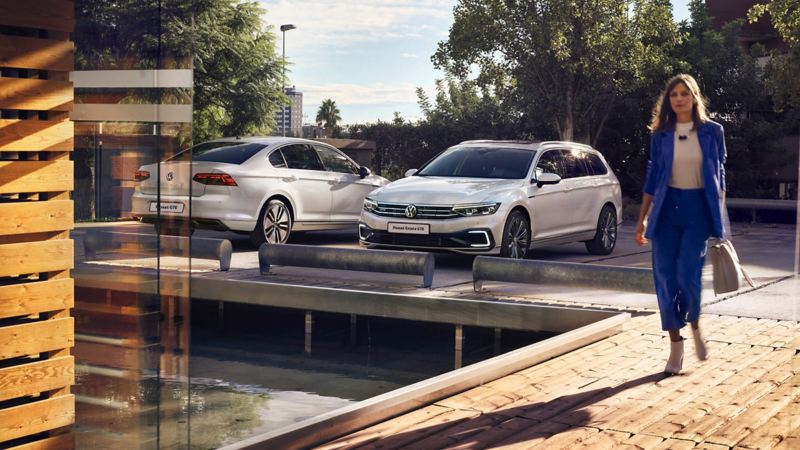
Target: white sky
pixel 369 56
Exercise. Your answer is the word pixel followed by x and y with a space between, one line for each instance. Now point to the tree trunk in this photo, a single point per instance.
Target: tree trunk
pixel 568 128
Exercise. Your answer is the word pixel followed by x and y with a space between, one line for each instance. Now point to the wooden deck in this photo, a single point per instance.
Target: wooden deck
pixel 612 394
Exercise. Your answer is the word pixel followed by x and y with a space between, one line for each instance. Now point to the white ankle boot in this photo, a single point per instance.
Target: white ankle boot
pixel 700 348
pixel 675 361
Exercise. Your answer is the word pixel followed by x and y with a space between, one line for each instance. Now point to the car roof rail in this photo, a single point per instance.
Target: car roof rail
pixel 499 141
pixel 576 144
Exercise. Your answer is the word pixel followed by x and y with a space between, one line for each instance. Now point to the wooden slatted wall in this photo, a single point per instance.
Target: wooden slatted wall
pixel 36 214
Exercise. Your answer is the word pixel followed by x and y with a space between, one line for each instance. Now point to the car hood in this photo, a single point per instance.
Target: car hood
pixel 444 190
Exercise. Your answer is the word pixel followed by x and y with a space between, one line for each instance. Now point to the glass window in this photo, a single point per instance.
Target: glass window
pixel 480 162
pixel 574 164
pixel 224 152
pixel 596 164
pixel 276 159
pixel 300 156
pixel 550 162
pixel 335 161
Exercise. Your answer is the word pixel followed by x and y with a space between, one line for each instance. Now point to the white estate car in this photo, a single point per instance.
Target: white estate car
pixel 498 197
pixel 265 186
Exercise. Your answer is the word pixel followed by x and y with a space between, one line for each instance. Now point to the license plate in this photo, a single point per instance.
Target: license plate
pixel 409 228
pixel 167 207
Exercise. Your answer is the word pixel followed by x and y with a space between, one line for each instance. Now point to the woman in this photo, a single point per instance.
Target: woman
pixel 685 185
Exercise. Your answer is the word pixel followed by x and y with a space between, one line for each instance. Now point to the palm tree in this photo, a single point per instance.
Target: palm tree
pixel 328 114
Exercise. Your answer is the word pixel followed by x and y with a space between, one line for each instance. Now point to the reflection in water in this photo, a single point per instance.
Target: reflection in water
pixel 223 413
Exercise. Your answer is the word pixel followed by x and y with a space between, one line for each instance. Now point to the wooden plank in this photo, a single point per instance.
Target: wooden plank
pixel 35 94
pixel 134 359
pixel 698 413
pixel 35 176
pixel 384 429
pixel 37 135
pixel 737 396
pixel 56 15
pixel 36 337
pixel 33 53
pixel 36 417
pixel 36 257
pixel 36 217
pixel 33 298
pixel 61 442
pixel 33 378
pixel 757 415
pixel 776 430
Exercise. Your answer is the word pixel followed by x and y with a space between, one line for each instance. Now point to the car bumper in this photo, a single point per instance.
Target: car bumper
pixel 463 235
pixel 207 212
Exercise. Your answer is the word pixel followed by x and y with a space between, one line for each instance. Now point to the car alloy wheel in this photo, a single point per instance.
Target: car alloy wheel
pixel 277 223
pixel 516 236
pixel 274 224
pixel 605 238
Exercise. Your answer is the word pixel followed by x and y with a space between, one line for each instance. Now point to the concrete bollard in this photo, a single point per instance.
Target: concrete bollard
pixel 386 261
pixel 201 248
pixel 632 279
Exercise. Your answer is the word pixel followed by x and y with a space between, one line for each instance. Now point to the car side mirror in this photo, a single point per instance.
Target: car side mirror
pixel 547 178
pixel 364 172
pixel 410 172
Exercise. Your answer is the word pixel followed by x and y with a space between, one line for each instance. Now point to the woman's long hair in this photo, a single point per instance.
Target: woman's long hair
pixel 664 117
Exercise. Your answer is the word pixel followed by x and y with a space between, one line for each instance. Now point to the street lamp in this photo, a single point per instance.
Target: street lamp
pixel 284 29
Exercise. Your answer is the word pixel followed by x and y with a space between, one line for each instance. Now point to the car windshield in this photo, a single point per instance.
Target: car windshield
pixel 223 152
pixel 480 162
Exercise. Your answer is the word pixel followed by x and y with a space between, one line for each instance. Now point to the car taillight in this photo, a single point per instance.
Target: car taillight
pixel 141 175
pixel 217 179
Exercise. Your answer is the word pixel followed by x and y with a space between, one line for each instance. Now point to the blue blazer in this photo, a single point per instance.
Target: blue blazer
pixel 659 169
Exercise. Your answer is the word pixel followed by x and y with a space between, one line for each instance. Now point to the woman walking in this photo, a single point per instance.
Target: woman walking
pixel 685 185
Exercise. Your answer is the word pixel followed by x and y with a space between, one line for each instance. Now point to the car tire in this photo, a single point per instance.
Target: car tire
pixel 605 237
pixel 516 236
pixel 274 224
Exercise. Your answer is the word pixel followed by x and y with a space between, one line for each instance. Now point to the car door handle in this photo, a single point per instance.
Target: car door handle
pixel 290 178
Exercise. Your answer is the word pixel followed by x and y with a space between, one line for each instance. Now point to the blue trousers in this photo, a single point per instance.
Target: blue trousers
pixel 679 250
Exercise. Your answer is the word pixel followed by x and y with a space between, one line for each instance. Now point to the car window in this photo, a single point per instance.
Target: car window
pixel 276 159
pixel 224 152
pixel 574 164
pixel 480 162
pixel 301 156
pixel 335 161
pixel 596 164
pixel 550 162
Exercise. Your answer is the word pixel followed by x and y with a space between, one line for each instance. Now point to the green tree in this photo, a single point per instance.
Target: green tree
pixel 561 62
pixel 237 73
pixel 781 71
pixel 328 114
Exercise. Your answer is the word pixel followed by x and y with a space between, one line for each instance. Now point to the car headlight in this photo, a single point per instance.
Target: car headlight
pixel 370 204
pixel 476 209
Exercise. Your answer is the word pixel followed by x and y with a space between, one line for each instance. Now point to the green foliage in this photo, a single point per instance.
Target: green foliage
pixel 563 63
pixel 237 74
pixel 328 114
pixel 781 71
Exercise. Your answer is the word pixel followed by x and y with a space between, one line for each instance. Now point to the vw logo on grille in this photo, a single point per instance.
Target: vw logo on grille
pixel 170 176
pixel 411 211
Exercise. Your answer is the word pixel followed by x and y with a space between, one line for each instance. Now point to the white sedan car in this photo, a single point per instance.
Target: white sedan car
pixel 498 197
pixel 267 187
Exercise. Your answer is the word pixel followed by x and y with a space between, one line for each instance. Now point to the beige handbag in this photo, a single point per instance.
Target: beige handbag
pixel 728 273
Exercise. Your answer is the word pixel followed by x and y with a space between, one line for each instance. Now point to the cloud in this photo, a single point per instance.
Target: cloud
pixel 408 55
pixel 336 23
pixel 358 94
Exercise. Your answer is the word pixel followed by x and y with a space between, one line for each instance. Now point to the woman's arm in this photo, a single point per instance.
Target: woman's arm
pixel 647 200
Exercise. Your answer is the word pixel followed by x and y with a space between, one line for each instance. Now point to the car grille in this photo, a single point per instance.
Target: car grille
pixel 423 211
pixel 461 240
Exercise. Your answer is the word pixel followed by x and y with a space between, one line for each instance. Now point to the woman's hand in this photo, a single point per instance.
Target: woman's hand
pixel 638 236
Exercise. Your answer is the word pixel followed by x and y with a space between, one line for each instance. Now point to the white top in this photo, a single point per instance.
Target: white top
pixel 687 162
